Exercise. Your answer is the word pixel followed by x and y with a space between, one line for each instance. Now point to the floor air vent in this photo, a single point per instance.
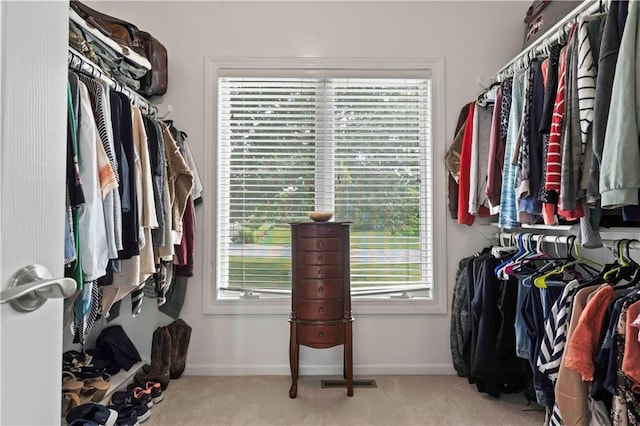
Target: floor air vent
pixel 368 383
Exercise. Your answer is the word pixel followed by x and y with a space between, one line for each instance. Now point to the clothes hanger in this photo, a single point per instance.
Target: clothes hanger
pixel 626 267
pixel 497 270
pixel 527 251
pixel 619 258
pixel 541 283
pixel 508 270
pixel 591 266
pixel 536 252
pixel 574 258
pixel 503 248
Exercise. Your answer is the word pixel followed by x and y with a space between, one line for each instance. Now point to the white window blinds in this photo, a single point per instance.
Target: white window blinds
pixel 359 147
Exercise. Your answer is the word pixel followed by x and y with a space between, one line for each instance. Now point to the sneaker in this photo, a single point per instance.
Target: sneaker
pixel 155 389
pixel 133 395
pixel 140 393
pixel 122 401
pixel 96 413
pixel 129 415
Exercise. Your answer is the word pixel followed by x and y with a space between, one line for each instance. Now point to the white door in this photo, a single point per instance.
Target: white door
pixel 33 70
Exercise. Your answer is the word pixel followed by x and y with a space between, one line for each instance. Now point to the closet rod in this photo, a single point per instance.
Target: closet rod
pixel 77 61
pixel 633 244
pixel 510 236
pixel 560 239
pixel 552 35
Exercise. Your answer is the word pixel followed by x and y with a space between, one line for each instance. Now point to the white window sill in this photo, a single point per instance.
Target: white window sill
pixel 359 306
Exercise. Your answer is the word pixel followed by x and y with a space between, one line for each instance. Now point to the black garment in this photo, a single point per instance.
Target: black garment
pixel 550 90
pixel 125 155
pixel 535 139
pixel 516 371
pixel 467 346
pixel 483 311
pixel 494 368
pixel 114 347
pixel 158 169
pixel 459 314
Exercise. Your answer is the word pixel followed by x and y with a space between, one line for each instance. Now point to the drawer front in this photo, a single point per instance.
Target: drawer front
pixel 320 272
pixel 320 289
pixel 320 310
pixel 319 244
pixel 320 334
pixel 320 230
pixel 320 258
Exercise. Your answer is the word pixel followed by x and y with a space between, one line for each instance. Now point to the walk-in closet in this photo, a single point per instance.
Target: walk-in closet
pixel 178 179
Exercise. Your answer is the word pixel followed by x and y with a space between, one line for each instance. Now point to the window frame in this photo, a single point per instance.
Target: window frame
pixel 433 67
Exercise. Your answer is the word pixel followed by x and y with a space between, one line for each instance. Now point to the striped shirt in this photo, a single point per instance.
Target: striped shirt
pixel 554 155
pixel 579 103
pixel 586 80
pixel 553 160
pixel 555 338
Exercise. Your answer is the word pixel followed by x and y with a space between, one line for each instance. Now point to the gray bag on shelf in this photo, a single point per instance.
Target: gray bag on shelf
pixel 544 14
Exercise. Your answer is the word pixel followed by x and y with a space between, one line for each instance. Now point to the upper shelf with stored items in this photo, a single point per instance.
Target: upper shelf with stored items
pixel 556 140
pixel 547 23
pixel 132 57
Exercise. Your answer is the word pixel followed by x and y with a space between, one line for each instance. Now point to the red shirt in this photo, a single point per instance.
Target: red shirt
pixel 465 167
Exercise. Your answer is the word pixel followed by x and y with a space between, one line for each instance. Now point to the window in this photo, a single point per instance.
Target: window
pixel 356 142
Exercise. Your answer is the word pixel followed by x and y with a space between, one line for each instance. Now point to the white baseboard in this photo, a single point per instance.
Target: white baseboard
pixel 313 370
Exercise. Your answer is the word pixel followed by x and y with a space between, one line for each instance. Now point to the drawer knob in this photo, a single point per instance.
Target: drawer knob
pixel 319 271
pixel 321 311
pixel 321 334
pixel 320 289
pixel 321 257
pixel 320 244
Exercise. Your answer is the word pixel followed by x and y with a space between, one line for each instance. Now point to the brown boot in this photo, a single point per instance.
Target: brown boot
pixel 180 333
pixel 161 350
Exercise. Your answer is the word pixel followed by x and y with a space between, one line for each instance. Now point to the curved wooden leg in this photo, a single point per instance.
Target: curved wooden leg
pixel 294 351
pixel 348 351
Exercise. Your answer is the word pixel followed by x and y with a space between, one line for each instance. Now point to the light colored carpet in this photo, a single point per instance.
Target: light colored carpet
pixel 398 400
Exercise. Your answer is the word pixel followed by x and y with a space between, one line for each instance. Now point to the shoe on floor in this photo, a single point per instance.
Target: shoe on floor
pixel 149 388
pixel 96 413
pixel 82 422
pixel 140 411
pixel 134 395
pixel 128 414
pixel 122 401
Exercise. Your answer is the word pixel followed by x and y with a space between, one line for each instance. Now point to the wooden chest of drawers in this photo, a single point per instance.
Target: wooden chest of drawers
pixel 320 293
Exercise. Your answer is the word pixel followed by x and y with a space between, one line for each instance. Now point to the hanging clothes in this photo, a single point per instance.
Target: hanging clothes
pixel 619 174
pixel 495 160
pixel 508 207
pixel 131 191
pixel 111 197
pixel 94 250
pixel 607 59
pixel 465 166
pixel 483 114
pixel 452 161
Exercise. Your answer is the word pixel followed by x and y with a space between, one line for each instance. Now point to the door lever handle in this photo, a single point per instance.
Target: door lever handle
pixel 32 285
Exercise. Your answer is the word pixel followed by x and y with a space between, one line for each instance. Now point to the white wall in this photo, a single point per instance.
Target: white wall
pixel 475 38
